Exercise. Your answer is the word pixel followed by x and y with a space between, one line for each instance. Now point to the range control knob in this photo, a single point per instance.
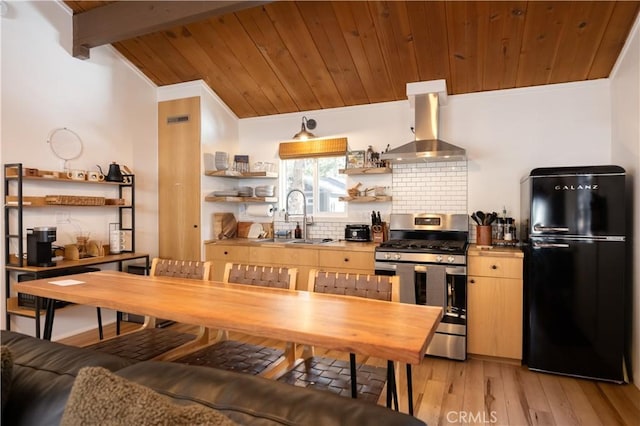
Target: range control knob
pixel 438 258
pixel 387 256
pixel 397 256
pixel 451 259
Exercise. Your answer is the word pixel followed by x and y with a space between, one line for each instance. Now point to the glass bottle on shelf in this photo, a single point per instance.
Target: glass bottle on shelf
pixel 368 161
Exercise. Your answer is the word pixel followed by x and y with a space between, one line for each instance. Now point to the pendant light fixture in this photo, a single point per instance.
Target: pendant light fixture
pixel 303 134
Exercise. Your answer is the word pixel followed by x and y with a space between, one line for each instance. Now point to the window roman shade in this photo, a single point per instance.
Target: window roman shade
pixel 313 148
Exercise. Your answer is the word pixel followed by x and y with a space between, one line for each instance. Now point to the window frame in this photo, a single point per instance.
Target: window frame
pixel 283 189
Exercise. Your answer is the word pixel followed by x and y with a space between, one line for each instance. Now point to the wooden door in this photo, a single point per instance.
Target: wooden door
pixel 179 178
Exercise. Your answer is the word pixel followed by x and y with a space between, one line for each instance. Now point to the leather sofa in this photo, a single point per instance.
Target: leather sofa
pixel 44 373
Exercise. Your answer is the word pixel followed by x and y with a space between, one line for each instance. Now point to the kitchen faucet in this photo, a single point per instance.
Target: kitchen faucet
pixel 304 214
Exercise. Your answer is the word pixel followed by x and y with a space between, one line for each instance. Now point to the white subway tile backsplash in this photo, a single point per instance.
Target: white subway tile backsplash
pixel 422 187
pixel 433 186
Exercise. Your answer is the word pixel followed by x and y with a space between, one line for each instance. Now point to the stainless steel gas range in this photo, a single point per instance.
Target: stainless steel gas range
pixel 428 251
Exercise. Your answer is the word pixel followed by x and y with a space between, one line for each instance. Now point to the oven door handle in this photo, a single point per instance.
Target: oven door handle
pixel 456 270
pixel 384 268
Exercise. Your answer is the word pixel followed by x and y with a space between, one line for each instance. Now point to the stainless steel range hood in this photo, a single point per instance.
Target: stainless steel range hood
pixel 426 146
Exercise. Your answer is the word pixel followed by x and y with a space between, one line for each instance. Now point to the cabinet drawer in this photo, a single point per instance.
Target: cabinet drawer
pixel 343 259
pixel 283 256
pixel 228 253
pixel 495 266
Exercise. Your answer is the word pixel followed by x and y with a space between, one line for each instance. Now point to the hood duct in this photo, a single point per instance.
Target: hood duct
pixel 426 146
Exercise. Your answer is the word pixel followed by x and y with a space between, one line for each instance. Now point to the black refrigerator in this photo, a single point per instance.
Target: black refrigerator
pixel 573 229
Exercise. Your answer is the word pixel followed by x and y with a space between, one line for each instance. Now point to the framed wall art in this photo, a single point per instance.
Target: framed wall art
pixel 355 159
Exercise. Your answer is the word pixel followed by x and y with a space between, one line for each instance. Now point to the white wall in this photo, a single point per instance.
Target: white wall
pixel 509 132
pixel 103 99
pixel 625 150
pixel 506 134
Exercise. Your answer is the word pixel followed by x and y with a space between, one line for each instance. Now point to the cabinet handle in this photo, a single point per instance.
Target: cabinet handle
pixel 346 259
pixel 494 267
pixel 472 281
pixel 226 252
pixel 195 226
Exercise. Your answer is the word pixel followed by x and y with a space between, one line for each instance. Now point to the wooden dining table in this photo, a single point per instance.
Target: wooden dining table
pixel 391 331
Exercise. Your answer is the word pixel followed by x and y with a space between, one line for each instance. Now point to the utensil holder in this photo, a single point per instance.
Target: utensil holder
pixel 483 235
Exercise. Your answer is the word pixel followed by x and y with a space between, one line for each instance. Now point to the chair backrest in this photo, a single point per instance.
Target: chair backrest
pixel 379 287
pixel 180 268
pixel 265 276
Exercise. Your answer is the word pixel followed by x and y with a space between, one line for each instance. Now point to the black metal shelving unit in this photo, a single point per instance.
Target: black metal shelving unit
pixel 14 177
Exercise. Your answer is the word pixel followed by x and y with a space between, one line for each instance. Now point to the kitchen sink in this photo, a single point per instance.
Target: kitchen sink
pixel 311 241
pixel 265 240
pixel 308 241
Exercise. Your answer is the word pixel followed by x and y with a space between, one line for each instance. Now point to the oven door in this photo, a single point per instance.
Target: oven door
pixel 406 273
pixel 431 285
pixel 436 285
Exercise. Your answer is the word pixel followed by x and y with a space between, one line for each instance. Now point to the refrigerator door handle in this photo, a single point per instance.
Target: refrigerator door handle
pixel 541 228
pixel 550 245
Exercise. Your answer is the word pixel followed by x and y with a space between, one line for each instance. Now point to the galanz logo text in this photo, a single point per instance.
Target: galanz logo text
pixel 576 187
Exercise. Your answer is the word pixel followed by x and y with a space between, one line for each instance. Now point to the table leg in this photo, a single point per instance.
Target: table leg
pixel 118 314
pixel 48 322
pixel 392 388
pixel 99 314
pixel 354 379
pixel 389 383
pixel 37 317
pixel 410 389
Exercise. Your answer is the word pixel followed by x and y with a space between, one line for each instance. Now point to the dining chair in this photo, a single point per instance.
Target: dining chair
pixel 379 287
pixel 150 342
pixel 245 357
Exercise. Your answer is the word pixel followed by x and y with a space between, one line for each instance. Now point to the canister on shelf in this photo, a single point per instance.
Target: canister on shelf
pixel 509 229
pixel 498 229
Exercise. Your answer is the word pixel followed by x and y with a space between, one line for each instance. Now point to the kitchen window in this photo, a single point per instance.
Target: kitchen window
pixel 321 182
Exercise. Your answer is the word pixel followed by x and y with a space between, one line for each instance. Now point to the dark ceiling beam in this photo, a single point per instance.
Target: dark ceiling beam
pixel 127 19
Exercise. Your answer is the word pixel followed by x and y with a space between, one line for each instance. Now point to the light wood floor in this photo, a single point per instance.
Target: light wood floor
pixel 482 392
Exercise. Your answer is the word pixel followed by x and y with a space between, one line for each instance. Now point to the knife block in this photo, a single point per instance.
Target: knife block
pixel 379 233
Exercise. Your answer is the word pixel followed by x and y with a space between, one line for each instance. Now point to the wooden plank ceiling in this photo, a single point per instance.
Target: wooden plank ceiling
pixel 289 56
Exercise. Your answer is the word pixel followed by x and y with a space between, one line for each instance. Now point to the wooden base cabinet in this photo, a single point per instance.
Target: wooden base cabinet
pixel 304 259
pixel 494 303
pixel 356 262
pixel 220 254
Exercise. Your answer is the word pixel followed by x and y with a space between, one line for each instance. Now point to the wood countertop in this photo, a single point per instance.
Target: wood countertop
pixel 502 251
pixel 87 261
pixel 333 245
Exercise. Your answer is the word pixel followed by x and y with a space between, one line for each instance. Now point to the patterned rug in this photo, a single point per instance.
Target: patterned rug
pixel 143 345
pixel 334 376
pixel 234 356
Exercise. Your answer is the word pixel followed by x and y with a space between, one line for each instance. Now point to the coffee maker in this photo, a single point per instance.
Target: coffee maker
pixel 39 250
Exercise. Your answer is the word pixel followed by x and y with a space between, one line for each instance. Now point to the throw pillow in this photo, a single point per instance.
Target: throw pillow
pixel 99 397
pixel 6 371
